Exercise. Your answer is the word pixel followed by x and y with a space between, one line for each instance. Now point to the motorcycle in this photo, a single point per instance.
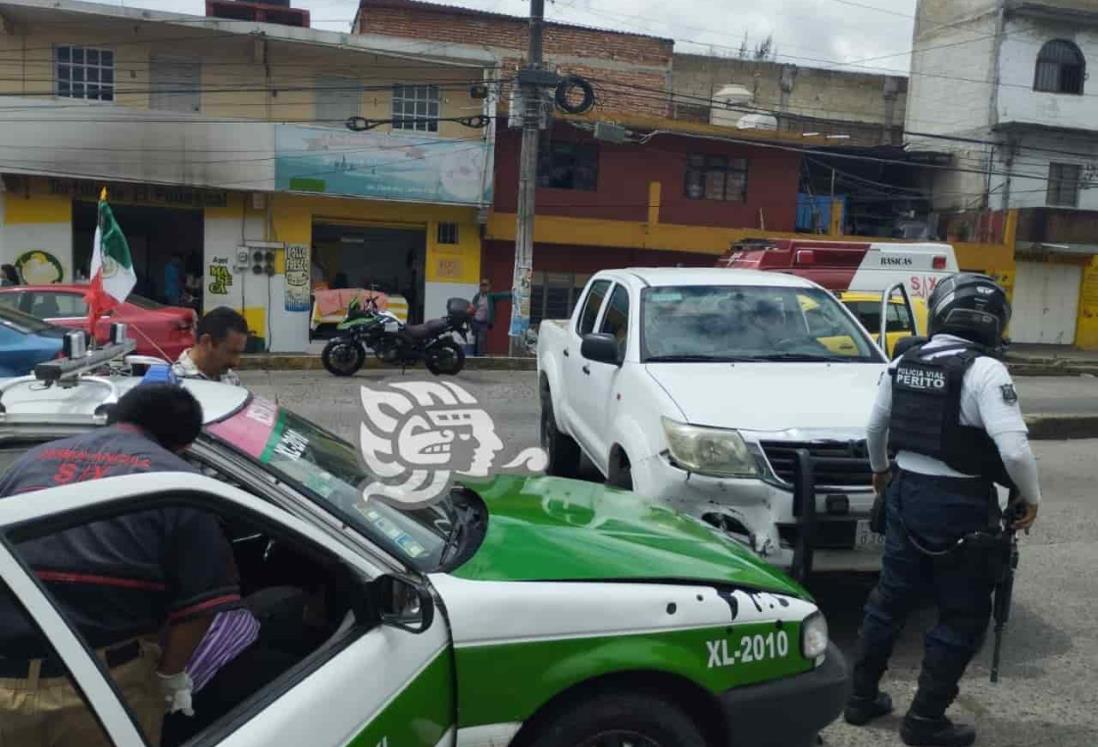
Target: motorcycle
pixel 367 328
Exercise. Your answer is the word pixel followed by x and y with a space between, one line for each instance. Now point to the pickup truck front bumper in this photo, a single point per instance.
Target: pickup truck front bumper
pixel 788 712
pixel 792 529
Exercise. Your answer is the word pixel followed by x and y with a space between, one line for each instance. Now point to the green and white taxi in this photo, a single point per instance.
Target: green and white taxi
pixel 518 611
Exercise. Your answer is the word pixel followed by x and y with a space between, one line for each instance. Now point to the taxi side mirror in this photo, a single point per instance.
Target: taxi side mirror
pixel 403 603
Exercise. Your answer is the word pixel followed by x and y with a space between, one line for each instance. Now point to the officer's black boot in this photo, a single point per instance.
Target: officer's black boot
pixel 935 732
pixel 925 724
pixel 866 701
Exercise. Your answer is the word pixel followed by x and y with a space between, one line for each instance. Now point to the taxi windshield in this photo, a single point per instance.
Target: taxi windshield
pixel 328 471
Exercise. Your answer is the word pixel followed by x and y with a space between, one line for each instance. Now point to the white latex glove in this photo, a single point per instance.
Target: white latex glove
pixel 177 692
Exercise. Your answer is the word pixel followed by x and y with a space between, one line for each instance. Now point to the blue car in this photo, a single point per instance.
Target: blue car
pixel 25 341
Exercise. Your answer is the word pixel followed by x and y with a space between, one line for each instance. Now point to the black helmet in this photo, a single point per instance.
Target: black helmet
pixel 971 306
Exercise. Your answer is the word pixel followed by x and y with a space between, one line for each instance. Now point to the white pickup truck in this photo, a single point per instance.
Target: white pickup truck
pixel 709 390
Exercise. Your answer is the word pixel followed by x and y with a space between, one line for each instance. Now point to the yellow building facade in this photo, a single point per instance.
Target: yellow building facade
pixel 226 142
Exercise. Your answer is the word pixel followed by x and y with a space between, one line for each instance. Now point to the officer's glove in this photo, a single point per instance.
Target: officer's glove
pixel 177 689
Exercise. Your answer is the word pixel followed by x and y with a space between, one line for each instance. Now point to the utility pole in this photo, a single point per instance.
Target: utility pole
pixel 531 79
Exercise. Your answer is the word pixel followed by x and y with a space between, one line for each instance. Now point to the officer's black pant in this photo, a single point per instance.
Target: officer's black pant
pixel 936 511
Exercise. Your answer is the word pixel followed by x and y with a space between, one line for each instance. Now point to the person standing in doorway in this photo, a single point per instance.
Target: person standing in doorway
pixel 174 273
pixel 484 314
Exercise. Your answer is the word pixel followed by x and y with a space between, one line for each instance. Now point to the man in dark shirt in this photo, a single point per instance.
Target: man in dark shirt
pixel 122 581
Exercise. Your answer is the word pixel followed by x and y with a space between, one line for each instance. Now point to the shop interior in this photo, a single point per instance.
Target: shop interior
pixel 383 258
pixel 156 237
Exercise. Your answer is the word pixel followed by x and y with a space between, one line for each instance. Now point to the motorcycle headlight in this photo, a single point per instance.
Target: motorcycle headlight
pixel 709 451
pixel 814 636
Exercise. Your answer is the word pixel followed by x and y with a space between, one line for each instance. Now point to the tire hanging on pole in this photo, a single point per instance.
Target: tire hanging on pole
pixel 568 84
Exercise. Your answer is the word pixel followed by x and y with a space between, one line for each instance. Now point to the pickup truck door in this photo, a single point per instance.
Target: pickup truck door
pixel 372 683
pixel 576 370
pixel 594 399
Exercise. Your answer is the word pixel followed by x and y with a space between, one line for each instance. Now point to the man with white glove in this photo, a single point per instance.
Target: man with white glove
pixel 123 581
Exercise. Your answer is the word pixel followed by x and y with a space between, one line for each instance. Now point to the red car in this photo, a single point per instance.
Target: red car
pixel 162 331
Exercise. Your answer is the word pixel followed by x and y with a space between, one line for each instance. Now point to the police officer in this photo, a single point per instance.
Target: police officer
pixel 949 409
pixel 122 580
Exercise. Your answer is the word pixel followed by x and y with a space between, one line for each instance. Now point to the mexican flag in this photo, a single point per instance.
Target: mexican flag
pixel 112 275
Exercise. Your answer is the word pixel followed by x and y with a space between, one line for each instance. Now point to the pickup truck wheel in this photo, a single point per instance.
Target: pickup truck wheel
pixel 625 720
pixel 563 451
pixel 621 472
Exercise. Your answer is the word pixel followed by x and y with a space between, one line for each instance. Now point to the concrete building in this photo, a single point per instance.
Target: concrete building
pixel 1003 85
pixel 223 139
pixel 860 109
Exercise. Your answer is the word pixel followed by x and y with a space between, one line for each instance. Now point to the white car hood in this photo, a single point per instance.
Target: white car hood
pixel 771 396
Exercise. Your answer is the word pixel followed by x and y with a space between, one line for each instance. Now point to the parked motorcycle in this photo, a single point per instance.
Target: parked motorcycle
pixel 367 328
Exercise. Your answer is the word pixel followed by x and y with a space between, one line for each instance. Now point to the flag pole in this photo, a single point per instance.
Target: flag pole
pixel 93 299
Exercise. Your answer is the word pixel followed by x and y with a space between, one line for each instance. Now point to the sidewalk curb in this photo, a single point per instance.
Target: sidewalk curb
pixel 1062 427
pixel 301 362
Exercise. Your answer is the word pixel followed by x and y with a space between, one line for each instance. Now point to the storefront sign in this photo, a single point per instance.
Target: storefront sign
pixel 220 277
pixel 146 194
pixel 297 277
pixel 393 166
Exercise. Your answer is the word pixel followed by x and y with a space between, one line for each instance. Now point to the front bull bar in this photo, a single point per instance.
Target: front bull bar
pixel 805 467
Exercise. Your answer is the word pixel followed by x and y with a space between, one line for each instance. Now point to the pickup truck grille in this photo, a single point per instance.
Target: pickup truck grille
pixel 855 472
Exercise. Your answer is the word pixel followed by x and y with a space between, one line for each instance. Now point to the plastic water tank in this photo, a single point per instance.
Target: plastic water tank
pixel 729 104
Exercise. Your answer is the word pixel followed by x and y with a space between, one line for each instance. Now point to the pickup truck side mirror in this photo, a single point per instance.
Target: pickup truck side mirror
pixel 601 348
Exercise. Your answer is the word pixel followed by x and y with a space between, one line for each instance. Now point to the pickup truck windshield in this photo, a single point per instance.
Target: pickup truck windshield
pixel 693 323
pixel 328 471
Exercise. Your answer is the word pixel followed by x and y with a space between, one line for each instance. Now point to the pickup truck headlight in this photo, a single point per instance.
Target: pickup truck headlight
pixel 814 636
pixel 709 451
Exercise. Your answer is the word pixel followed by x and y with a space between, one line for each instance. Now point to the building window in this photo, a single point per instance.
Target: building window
pixel 84 73
pixel 1063 184
pixel 1061 68
pixel 447 233
pixel 415 108
pixel 564 165
pixel 716 178
pixel 553 295
pixel 337 99
pixel 175 85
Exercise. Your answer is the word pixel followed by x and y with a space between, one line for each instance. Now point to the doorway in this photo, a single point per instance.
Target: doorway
pixel 155 236
pixel 1046 303
pixel 384 258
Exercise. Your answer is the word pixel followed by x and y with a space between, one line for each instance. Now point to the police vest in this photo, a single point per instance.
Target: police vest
pixel 926 412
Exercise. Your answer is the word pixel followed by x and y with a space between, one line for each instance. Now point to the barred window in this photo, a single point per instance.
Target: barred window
pixel 1061 68
pixel 84 73
pixel 1063 184
pixel 716 178
pixel 415 108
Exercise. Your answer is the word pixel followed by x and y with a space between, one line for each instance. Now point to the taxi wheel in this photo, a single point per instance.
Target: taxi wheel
pixel 626 720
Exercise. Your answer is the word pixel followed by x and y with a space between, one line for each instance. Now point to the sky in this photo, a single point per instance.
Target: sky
pixel 850 34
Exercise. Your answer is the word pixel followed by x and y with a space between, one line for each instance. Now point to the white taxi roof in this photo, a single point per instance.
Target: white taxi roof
pixel 30 401
pixel 665 276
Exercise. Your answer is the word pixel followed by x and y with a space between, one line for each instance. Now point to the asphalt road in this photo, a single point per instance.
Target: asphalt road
pixel 1049 677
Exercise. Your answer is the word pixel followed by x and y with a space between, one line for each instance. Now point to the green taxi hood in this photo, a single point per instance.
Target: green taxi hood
pixel 553 529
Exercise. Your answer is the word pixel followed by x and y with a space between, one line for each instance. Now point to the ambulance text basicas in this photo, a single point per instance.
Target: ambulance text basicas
pixel 849 265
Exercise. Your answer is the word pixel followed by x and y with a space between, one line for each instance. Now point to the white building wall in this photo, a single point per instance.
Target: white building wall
pixel 1029 172
pixel 1018 102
